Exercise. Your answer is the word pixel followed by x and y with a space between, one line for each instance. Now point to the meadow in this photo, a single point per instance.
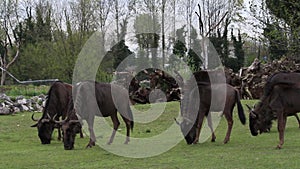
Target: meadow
pixel 20 147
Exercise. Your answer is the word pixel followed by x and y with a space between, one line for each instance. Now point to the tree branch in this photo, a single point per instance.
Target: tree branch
pixel 212 28
pixel 15 57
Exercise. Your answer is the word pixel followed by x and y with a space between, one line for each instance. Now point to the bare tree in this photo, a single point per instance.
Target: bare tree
pixel 103 8
pixel 123 11
pixel 212 17
pixel 163 30
pixel 9 42
pixel 83 16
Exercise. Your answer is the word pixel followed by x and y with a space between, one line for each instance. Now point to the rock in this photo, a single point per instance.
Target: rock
pixel 21 101
pixel 5 97
pixel 21 104
pixel 20 97
pixel 24 108
pixel 5 111
pixel 16 109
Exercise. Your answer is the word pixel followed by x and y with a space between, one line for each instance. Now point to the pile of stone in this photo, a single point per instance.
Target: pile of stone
pixel 20 103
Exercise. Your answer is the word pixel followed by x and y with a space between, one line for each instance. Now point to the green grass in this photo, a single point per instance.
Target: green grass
pixel 24 90
pixel 21 148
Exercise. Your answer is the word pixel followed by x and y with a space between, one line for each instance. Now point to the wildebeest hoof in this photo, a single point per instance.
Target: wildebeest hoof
pixel 225 141
pixel 196 142
pixel 91 144
pixel 279 147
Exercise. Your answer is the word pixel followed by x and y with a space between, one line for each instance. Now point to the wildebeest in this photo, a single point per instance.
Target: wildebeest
pixel 280 77
pixel 70 126
pixel 282 100
pixel 96 99
pixel 209 101
pixel 55 107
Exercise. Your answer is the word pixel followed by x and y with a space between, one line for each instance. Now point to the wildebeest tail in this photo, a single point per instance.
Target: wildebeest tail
pixel 241 113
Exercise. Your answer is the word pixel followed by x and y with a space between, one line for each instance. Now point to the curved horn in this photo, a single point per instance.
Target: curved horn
pixel 45 120
pixel 74 121
pixel 176 121
pixel 253 115
pixel 59 122
pixel 249 107
pixel 53 118
pixel 34 118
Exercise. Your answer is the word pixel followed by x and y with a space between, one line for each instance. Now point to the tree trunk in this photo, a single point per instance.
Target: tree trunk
pixel 163 32
pixel 3 77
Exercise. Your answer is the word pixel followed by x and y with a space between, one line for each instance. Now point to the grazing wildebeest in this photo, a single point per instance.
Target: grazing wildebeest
pixel 96 99
pixel 281 77
pixel 282 100
pixel 55 107
pixel 192 121
pixel 70 127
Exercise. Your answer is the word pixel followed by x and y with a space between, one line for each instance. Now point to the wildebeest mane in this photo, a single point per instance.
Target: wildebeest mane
pixel 55 102
pixel 188 94
pixel 275 79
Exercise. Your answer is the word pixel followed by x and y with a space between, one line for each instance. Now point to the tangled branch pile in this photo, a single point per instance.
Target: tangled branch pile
pixel 252 79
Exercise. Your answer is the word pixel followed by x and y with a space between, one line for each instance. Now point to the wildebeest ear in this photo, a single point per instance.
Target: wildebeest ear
pixel 34 125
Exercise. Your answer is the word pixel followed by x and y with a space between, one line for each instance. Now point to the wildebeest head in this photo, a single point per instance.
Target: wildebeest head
pixel 188 129
pixel 260 119
pixel 189 106
pixel 45 128
pixel 69 128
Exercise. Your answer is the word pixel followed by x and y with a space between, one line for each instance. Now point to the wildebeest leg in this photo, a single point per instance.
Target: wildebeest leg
pixel 81 133
pixel 199 125
pixel 92 134
pixel 59 133
pixel 128 124
pixel 297 119
pixel 116 124
pixel 228 116
pixel 281 122
pixel 209 122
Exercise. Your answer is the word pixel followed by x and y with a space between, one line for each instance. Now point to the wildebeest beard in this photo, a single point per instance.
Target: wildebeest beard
pixel 70 129
pixel 45 130
pixel 260 119
pixel 188 128
pixel 189 106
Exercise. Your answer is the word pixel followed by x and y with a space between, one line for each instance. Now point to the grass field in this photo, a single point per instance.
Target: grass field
pixel 21 148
